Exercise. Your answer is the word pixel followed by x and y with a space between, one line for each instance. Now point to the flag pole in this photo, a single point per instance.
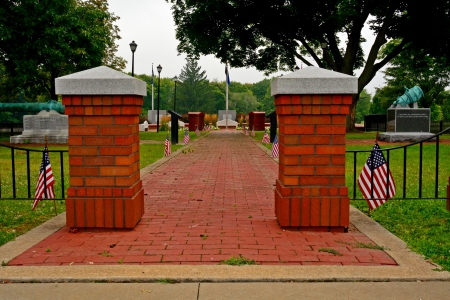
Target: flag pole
pixel 226 96
pixel 153 83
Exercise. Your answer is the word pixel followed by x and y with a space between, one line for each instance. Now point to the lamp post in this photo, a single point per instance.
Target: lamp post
pixel 175 96
pixel 324 46
pixel 159 69
pixel 133 47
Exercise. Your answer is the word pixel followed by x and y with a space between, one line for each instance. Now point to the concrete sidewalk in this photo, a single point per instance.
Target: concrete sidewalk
pixel 208 203
pixel 218 291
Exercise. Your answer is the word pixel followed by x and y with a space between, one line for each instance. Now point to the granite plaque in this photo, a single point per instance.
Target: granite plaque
pixel 223 113
pixel 408 120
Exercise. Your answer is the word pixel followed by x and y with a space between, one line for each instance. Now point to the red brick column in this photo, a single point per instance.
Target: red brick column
pixel 105 187
pixel 310 190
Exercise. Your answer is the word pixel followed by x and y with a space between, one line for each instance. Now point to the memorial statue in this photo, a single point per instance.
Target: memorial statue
pixel 411 96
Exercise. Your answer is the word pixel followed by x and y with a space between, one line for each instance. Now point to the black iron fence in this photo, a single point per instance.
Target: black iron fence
pixel 378 123
pixel 11 128
pixel 20 168
pixel 420 170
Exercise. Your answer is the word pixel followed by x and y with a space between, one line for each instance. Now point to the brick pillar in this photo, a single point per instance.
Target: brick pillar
pixel 312 105
pixel 105 186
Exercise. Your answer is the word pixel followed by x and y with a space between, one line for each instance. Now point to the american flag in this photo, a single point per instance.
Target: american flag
pixel 227 74
pixel 266 138
pixel 197 132
pixel 246 131
pixel 44 186
pixel 381 179
pixel 167 146
pixel 275 147
pixel 253 132
pixel 243 128
pixel 186 137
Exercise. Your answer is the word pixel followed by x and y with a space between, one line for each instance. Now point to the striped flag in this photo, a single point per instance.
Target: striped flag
pixel 186 137
pixel 44 186
pixel 243 128
pixel 197 132
pixel 253 132
pixel 246 131
pixel 374 174
pixel 167 146
pixel 275 147
pixel 266 138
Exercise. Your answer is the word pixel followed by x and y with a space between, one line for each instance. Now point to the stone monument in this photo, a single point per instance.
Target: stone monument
pixel 152 115
pixel 46 123
pixel 406 123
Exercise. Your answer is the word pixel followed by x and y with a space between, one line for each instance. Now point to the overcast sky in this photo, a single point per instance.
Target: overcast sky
pixel 150 24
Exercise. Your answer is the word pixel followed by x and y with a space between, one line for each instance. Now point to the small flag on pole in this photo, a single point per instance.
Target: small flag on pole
pixel 275 147
pixel 167 146
pixel 243 128
pixel 246 131
pixel 44 186
pixel 253 132
pixel 227 74
pixel 266 138
pixel 197 132
pixel 186 137
pixel 374 176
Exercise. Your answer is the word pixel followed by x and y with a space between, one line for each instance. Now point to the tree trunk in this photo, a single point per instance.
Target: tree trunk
pixel 352 113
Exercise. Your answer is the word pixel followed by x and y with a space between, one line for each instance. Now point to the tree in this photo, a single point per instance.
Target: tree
pixel 415 67
pixel 445 105
pixel 363 106
pixel 46 39
pixel 194 94
pixel 272 35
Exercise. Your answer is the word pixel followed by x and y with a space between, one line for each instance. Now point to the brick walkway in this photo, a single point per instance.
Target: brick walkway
pixel 206 205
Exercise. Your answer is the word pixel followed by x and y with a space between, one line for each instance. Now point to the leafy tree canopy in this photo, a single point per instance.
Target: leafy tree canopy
pixel 46 39
pixel 271 35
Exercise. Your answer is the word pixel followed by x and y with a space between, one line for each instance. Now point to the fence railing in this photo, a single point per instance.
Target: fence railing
pixel 417 167
pixel 18 165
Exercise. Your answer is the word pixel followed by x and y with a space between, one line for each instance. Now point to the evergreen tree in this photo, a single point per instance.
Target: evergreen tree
pixel 194 94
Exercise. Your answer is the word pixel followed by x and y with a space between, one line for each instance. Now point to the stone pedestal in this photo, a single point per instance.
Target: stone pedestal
pixel 312 105
pixel 257 120
pixel 103 106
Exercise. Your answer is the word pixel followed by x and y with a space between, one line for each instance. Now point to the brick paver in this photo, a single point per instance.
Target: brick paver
pixel 212 202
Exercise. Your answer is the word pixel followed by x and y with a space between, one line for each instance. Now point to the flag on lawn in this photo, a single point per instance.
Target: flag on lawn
pixel 246 131
pixel 197 132
pixel 243 128
pixel 253 132
pixel 275 149
pixel 186 137
pixel 266 138
pixel 227 74
pixel 167 146
pixel 44 186
pixel 375 171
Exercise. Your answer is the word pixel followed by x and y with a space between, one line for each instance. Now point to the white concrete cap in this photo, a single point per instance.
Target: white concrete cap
pixel 100 81
pixel 313 80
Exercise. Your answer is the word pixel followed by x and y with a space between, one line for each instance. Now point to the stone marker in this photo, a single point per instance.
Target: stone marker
pixel 46 123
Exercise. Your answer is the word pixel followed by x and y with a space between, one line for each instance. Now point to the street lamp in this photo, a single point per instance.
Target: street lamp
pixel 159 69
pixel 175 97
pixel 133 47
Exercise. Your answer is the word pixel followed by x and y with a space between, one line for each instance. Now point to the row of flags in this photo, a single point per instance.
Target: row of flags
pixel 375 181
